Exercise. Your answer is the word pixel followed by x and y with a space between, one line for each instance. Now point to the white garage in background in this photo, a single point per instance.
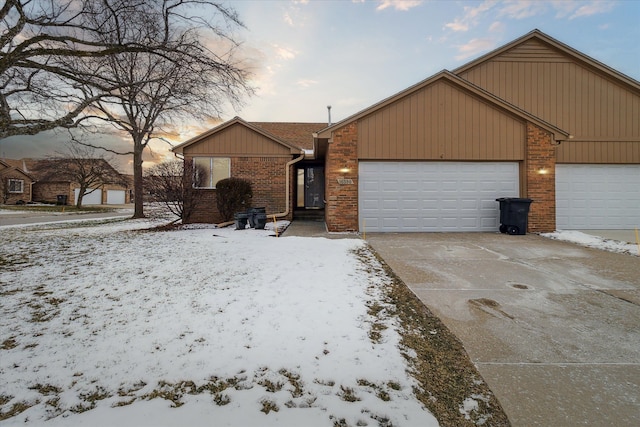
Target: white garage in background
pixel 592 197
pixel 434 196
pixel 115 197
pixel 93 198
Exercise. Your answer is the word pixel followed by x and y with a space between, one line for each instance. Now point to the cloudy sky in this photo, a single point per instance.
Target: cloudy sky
pixel 308 54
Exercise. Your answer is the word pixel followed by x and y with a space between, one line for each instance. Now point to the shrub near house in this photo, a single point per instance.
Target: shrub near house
pixel 233 196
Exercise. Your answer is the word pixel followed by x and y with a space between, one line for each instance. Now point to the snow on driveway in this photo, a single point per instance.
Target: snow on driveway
pixel 596 242
pixel 102 325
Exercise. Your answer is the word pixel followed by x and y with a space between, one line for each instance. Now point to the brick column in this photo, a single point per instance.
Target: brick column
pixel 341 186
pixel 541 179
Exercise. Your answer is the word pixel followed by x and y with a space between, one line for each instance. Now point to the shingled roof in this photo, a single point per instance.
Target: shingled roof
pixel 49 169
pixel 298 134
pixel 13 164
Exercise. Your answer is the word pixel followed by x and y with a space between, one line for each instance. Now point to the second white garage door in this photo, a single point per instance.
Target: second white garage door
pixel 434 196
pixel 115 197
pixel 592 197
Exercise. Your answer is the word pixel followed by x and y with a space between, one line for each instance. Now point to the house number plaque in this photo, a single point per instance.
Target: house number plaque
pixel 345 181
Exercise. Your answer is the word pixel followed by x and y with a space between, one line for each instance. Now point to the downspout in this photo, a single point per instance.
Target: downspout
pixel 288 184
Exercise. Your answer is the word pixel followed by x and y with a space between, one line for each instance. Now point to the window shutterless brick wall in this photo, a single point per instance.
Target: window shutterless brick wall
pixel 207 211
pixel 12 198
pixel 541 179
pixel 268 179
pixel 267 176
pixel 48 191
pixel 341 180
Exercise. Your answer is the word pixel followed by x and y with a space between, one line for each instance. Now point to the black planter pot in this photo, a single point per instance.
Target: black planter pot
pixel 241 220
pixel 252 215
pixel 259 221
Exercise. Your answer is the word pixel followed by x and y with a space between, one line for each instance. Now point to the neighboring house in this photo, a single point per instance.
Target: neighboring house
pixel 53 181
pixel 15 183
pixel 534 118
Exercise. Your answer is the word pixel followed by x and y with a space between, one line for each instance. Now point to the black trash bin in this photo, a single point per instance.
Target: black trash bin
pixel 241 220
pixel 514 215
pixel 62 199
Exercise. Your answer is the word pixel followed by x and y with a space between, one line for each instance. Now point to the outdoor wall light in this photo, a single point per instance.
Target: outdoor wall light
pixel 345 170
pixel 543 171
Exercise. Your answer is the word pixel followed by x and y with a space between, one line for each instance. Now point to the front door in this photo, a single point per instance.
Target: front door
pixel 314 187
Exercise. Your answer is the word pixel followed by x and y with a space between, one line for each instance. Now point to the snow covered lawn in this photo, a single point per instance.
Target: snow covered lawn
pixel 104 325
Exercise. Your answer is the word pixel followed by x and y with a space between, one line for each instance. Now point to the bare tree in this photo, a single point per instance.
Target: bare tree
pixel 38 39
pixel 137 64
pixel 4 189
pixel 172 184
pixel 82 166
pixel 194 79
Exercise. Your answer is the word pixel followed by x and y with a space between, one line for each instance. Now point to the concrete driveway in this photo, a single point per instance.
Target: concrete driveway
pixel 554 328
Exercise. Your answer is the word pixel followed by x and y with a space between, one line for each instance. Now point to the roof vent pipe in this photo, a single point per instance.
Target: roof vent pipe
pixel 329 110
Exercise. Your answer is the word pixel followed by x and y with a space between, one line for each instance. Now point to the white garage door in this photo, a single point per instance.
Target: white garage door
pixel 592 197
pixel 115 197
pixel 93 198
pixel 434 196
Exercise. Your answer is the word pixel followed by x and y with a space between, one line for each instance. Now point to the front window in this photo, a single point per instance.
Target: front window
pixel 16 186
pixel 209 170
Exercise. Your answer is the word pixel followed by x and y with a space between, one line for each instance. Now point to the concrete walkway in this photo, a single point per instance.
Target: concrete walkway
pixel 554 328
pixel 315 229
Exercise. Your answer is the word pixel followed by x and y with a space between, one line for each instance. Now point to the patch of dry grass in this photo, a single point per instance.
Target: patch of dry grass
pixel 438 360
pixel 15 409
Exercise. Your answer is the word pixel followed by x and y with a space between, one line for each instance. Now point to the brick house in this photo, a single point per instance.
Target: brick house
pixel 51 183
pixel 534 118
pixel 269 155
pixel 15 183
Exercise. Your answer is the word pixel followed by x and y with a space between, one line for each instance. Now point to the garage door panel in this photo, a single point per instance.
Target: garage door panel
pixel 487 205
pixel 410 205
pixel 92 198
pixel 116 197
pixel 390 204
pixel 451 222
pixel 597 196
pixel 466 204
pixel 411 222
pixel 487 222
pixel 450 205
pixel 449 186
pixel 434 196
pixel 410 186
pixel 389 186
